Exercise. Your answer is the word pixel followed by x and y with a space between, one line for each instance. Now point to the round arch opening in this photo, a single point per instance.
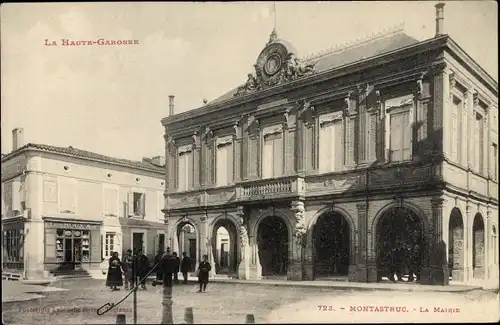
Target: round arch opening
pixel 331 245
pixel 400 244
pixel 273 241
pixel 187 242
pixel 225 247
pixel 478 247
pixel 456 245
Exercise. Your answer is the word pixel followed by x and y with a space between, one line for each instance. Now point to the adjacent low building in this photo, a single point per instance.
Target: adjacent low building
pixel 65 210
pixel 321 166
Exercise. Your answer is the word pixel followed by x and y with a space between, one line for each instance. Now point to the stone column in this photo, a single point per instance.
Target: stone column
pixel 468 244
pixel 295 271
pixel 361 258
pixel 487 246
pixel 206 243
pixel 439 273
pixel 244 263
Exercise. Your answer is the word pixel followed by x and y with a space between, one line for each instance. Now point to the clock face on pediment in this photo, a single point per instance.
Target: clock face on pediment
pixel 271 61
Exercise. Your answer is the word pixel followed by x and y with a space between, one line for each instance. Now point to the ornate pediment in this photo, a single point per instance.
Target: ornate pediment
pixel 276 64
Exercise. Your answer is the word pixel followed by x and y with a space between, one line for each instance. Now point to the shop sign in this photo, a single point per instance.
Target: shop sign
pixel 67 225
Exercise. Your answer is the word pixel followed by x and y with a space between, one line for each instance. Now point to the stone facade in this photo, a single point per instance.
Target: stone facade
pixel 50 192
pixel 369 174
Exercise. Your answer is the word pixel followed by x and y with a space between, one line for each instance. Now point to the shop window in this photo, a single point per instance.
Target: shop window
pixel 12 245
pixel 109 244
pixel 72 246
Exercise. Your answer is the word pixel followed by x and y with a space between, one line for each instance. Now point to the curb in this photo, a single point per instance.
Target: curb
pixel 346 287
pixel 25 299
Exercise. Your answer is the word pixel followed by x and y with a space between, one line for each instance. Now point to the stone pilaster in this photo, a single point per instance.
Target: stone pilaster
pixel 361 273
pixel 244 265
pixel 488 249
pixel 295 271
pixel 439 273
pixel 468 244
pixel 206 242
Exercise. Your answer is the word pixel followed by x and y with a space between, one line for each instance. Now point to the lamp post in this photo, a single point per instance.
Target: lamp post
pixel 167 265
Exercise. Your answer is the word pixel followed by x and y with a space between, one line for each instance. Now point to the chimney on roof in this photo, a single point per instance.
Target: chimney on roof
pixel 158 161
pixel 17 138
pixel 439 19
pixel 171 105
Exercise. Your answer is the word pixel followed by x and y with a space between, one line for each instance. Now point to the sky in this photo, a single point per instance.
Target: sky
pixel 111 100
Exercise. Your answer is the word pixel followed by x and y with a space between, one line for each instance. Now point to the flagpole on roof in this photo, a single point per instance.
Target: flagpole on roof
pixel 274 11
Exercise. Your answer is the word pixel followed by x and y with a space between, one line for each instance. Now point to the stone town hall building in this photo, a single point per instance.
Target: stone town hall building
pixel 316 166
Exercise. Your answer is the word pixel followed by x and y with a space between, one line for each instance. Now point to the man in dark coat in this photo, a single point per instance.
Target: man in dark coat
pixel 167 264
pixel 185 266
pixel 142 266
pixel 159 270
pixel 176 270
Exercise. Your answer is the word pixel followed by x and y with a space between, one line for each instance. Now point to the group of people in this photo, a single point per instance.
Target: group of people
pixel 137 265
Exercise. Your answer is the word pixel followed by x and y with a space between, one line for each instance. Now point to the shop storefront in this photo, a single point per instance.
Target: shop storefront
pixel 13 244
pixel 72 245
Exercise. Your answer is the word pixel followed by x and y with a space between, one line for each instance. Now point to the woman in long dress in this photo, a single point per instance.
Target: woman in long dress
pixel 114 278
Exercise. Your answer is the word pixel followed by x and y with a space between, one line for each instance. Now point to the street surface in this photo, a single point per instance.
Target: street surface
pixel 225 303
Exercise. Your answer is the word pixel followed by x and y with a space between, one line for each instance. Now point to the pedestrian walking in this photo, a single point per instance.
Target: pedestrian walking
pixel 185 267
pixel 127 265
pixel 114 277
pixel 141 267
pixel 203 270
pixel 176 268
pixel 159 270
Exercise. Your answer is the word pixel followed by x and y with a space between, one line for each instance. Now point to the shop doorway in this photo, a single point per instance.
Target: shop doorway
pixel 138 242
pixel 72 248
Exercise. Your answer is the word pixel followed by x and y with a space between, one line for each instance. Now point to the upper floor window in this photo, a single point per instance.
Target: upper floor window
pixel 185 168
pixel 456 130
pixel 272 151
pixel 137 204
pixel 110 202
pixel 330 142
pixel 400 140
pixel 224 161
pixel 478 143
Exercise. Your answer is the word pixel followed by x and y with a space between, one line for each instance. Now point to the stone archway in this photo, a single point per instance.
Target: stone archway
pixel 331 245
pixel 400 245
pixel 273 246
pixel 225 247
pixel 456 252
pixel 478 267
pixel 186 241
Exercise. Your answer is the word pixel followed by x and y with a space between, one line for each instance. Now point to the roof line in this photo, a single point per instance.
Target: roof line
pixel 112 160
pixel 358 41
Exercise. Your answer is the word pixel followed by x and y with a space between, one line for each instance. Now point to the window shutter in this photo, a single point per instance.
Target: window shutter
pixel 325 150
pixel 143 205
pixel 349 142
pixel 244 154
pixel 278 155
pixel 395 137
pixel 130 201
pixel 338 151
pixel 454 135
pixel 267 158
pixel 230 162
pixel 406 154
pixel 373 136
pixel 477 150
pixel 102 247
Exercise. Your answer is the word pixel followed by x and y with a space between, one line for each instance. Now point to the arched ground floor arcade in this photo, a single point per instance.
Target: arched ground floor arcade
pixel 430 240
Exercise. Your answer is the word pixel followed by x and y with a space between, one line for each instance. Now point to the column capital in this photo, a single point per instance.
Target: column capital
pixel 437 202
pixel 362 206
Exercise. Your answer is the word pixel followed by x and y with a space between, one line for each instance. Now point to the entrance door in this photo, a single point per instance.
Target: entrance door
pixel 138 242
pixel 77 253
pixel 192 253
pixel 68 253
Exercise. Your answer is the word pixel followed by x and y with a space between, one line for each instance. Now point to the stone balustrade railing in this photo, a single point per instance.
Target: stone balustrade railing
pixel 269 187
